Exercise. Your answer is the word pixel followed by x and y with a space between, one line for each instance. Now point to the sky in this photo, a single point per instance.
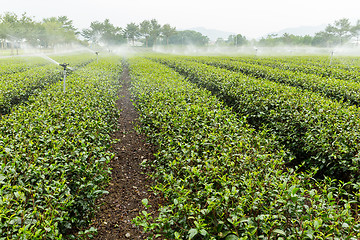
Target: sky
pixel 251 18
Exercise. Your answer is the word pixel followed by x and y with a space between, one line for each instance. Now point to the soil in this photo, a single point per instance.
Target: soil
pixel 129 181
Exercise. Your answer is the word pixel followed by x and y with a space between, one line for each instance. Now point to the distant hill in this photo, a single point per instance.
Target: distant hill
pixel 212 34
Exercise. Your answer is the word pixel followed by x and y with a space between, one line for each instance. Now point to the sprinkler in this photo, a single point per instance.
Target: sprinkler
pixel 97 54
pixel 65 66
pixel 332 54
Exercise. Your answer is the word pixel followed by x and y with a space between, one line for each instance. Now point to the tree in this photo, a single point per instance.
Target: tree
pixel 132 31
pixel 145 30
pixel 237 40
pixel 155 30
pixel 188 37
pixel 51 33
pixel 323 39
pixel 104 33
pixel 67 24
pixel 59 30
pixel 9 22
pixel 167 31
pixel 270 40
pixel 339 32
pixel 220 41
pixel 355 30
pixel 29 30
pixel 24 29
pixel 343 29
pixel 13 29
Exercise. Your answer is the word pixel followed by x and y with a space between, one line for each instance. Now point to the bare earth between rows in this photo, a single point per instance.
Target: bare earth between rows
pixel 129 183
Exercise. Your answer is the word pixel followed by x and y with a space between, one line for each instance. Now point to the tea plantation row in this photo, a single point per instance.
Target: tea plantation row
pixel 220 178
pixel 18 86
pixel 345 90
pixel 339 68
pixel 54 152
pixel 319 132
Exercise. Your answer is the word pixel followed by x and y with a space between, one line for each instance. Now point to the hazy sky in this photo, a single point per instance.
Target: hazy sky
pixel 252 18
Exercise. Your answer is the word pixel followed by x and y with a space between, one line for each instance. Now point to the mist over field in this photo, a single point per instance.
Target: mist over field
pixel 188 120
pixel 22 34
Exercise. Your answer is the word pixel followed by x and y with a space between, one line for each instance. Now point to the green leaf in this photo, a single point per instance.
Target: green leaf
pixel 279 231
pixel 145 202
pixel 192 233
pixel 231 237
pixel 345 225
pixel 203 232
pixel 317 223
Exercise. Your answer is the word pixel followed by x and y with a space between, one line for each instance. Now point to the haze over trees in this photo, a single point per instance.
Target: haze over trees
pixel 104 33
pixel 19 31
pixel 338 33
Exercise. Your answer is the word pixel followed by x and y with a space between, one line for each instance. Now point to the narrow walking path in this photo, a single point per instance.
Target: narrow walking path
pixel 129 183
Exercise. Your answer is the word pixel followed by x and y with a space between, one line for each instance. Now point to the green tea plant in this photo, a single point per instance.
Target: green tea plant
pixel 318 131
pixel 19 64
pixel 17 87
pixel 54 153
pixel 345 68
pixel 344 90
pixel 221 179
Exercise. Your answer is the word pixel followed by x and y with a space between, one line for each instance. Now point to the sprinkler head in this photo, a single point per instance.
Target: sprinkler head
pixel 64 65
pixel 97 53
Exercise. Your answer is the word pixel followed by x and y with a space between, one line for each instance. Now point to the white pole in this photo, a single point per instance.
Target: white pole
pixel 332 54
pixel 64 80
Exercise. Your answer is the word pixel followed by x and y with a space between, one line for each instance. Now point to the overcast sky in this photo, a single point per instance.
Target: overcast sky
pixel 252 18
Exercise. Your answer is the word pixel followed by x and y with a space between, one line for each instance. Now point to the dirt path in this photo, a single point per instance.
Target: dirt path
pixel 129 182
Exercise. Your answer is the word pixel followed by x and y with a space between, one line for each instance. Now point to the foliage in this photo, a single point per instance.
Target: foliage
pixel 344 90
pixel 337 34
pixel 104 33
pixel 47 33
pixel 167 32
pixel 19 85
pixel 54 153
pixel 144 30
pixel 318 131
pixel 223 180
pixel 189 37
pixel 343 68
pixel 237 40
pixel 132 31
pixel 287 39
pixel 155 30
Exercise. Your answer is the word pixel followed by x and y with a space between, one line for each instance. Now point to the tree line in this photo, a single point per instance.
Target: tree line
pixel 16 31
pixel 49 32
pixel 338 33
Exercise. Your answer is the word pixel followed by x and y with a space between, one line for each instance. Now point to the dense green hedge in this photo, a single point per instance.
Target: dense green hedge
pixel 12 65
pixel 219 178
pixel 17 87
pixel 331 87
pixel 319 131
pixel 54 152
pixel 343 68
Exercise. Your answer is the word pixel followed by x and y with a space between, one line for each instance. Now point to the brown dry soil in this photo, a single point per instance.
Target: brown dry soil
pixel 129 181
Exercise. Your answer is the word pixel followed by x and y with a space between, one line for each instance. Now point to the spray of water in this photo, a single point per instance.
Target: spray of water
pixel 49 59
